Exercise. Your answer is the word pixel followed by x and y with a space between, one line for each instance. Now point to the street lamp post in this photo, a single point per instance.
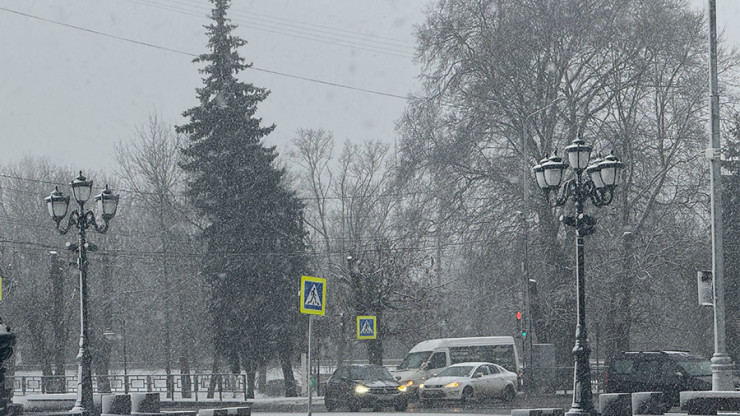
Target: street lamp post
pixel 82 220
pixel 112 336
pixel 599 189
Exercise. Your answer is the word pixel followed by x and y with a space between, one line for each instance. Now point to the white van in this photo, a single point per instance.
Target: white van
pixel 429 357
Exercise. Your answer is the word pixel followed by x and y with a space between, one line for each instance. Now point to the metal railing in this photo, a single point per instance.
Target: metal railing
pixel 176 386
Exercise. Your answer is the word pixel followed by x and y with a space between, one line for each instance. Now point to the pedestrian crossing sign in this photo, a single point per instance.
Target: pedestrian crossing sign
pixel 366 328
pixel 313 295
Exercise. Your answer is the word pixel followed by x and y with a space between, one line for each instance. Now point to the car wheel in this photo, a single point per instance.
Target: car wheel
pixel 401 406
pixel 467 396
pixel 509 394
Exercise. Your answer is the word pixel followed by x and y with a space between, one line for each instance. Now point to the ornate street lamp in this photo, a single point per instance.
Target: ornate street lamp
pixel 82 220
pixel 599 189
pixel 112 336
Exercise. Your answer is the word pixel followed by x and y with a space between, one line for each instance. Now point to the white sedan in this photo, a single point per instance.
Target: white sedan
pixel 464 382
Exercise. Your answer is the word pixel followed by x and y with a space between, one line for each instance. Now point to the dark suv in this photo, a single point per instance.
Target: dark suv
pixel 364 385
pixel 668 371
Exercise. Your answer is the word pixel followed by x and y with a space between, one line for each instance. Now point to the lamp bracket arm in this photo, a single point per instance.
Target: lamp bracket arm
pixel 73 219
pixel 568 189
pixel 91 220
pixel 602 197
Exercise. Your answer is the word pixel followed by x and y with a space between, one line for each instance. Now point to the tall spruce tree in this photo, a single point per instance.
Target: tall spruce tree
pixel 253 230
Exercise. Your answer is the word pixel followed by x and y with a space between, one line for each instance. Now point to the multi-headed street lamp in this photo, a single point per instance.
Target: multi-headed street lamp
pixel 82 220
pixel 599 189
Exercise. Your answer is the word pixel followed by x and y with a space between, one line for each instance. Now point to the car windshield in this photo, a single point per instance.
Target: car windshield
pixel 456 371
pixel 697 368
pixel 414 360
pixel 370 373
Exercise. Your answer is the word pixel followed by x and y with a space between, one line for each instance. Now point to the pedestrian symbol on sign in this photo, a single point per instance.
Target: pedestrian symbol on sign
pixel 366 327
pixel 313 299
pixel 313 293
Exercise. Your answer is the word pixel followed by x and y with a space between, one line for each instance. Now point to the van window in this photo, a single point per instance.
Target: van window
pixel 414 360
pixel 438 360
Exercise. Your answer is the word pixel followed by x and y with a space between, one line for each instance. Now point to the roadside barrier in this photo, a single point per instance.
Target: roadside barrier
pixel 177 386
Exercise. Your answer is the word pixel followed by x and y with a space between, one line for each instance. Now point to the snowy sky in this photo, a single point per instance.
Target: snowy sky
pixel 79 76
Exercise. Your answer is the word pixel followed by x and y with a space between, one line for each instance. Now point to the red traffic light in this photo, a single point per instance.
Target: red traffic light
pixel 518 315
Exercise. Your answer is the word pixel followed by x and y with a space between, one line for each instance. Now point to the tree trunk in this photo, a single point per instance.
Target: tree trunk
pixel 289 379
pixel 213 383
pixel 250 380
pixel 102 361
pixel 57 322
pixel 262 380
pixel 101 364
pixel 185 379
pixel 375 346
pixel 559 329
pixel 342 342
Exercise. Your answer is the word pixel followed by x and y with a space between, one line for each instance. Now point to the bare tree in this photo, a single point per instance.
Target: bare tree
pixel 505 82
pixel 148 166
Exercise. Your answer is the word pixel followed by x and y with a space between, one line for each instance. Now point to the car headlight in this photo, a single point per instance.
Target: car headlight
pixel 421 386
pixel 360 389
pixel 453 384
pixel 402 387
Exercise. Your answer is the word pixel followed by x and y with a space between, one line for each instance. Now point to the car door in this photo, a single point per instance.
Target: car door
pixel 650 374
pixel 480 382
pixel 671 381
pixel 497 381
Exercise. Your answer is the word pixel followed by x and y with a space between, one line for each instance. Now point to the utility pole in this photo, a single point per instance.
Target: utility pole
pixel 721 363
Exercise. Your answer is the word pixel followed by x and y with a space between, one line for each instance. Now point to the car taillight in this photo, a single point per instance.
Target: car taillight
pixel 606 379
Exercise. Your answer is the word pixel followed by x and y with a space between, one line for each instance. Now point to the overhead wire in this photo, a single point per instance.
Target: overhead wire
pixel 285 27
pixel 283 20
pixel 164 48
pixel 303 198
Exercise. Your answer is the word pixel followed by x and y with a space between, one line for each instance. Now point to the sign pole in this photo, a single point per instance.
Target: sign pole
pixel 313 296
pixel 310 322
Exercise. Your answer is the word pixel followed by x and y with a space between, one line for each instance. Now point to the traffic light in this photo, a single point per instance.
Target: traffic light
pixel 520 327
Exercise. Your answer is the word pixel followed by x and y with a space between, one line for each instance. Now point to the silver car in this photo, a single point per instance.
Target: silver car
pixel 465 382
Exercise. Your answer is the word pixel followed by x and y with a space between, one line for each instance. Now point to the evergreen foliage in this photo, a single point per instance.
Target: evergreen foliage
pixel 253 221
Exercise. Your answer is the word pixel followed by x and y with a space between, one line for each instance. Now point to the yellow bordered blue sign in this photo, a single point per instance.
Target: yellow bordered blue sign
pixel 366 327
pixel 313 295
